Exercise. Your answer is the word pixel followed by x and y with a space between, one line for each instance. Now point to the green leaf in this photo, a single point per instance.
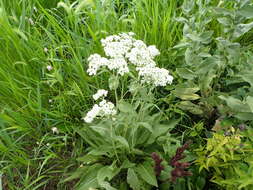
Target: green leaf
pixel 132 179
pixel 90 179
pixel 246 11
pixel 242 29
pixel 164 128
pixel 122 141
pixel 244 116
pixel 249 101
pixel 113 82
pixel 224 21
pixel 188 6
pixel 146 172
pixel 236 104
pixel 125 107
pixel 88 158
pixel 186 93
pixel 186 73
pixel 105 173
pixel 189 106
pixel 248 77
pixel 146 125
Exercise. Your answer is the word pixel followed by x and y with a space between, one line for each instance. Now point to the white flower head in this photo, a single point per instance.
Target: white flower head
pixel 31 21
pixel 123 50
pixel 45 50
pixel 55 130
pixel 104 109
pixel 156 76
pixel 95 62
pixel 100 93
pixel 153 51
pixel 49 68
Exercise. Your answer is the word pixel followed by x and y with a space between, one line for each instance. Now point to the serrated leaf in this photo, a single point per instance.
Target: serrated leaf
pixel 146 172
pixel 105 173
pixel 132 179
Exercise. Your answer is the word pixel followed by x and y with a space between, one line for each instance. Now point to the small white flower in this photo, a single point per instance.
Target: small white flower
pixel 153 51
pixel 154 75
pixel 104 109
pixel 48 144
pixel 100 93
pixel 55 130
pixel 35 9
pixel 49 68
pixel 45 50
pixel 31 21
pixel 50 100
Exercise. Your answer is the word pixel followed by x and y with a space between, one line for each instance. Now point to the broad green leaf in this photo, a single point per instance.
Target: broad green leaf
pixel 146 125
pixel 206 37
pixel 186 93
pixel 244 116
pixel 249 101
pixel 163 128
pixel 127 164
pixel 125 107
pixel 189 106
pixel 113 82
pixel 246 11
pixel 146 172
pixel 122 141
pixel 90 179
pixel 242 29
pixel 186 73
pixel 105 173
pixel 132 179
pixel 248 77
pixel 88 158
pixel 236 104
pixel 188 6
pixel 224 21
pixel 81 171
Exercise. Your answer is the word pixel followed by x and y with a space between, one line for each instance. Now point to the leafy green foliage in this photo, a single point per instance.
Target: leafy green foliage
pixel 231 159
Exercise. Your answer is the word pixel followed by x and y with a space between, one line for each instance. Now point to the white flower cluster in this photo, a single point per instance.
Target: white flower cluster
pixel 123 50
pixel 100 93
pixel 102 109
pixel 155 75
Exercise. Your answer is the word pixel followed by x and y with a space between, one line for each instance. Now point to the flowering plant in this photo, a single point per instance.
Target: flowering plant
pixel 123 129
